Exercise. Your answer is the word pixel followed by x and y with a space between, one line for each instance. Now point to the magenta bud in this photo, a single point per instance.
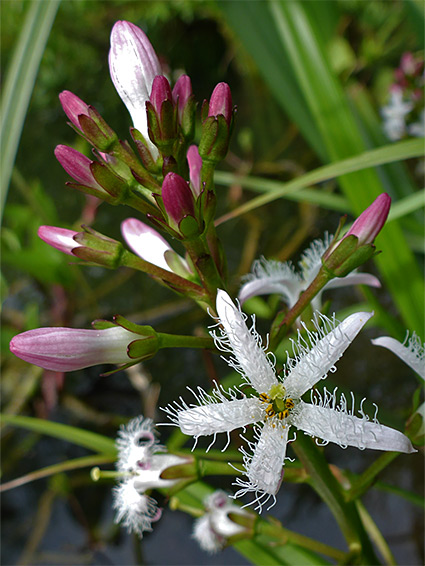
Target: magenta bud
pixel 195 166
pixel 69 349
pixel 161 91
pixel 177 198
pixel 73 107
pixel 221 102
pixel 77 165
pixel 59 238
pixel 181 93
pixel 370 222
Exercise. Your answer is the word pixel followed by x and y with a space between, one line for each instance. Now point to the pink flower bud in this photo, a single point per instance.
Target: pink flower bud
pixel 77 165
pixel 221 102
pixel 69 349
pixel 177 197
pixel 59 238
pixel 133 65
pixel 370 222
pixel 146 242
pixel 195 165
pixel 181 93
pixel 161 91
pixel 73 107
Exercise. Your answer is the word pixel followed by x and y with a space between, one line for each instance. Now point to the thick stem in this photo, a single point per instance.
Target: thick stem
pixel 305 299
pixel 276 530
pixel 368 477
pixel 176 341
pixel 328 488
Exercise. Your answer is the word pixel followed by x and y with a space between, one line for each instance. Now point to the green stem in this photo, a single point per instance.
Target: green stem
pixel 274 529
pixel 176 341
pixel 140 204
pixel 305 299
pixel 328 488
pixel 216 468
pixel 183 285
pixel 368 477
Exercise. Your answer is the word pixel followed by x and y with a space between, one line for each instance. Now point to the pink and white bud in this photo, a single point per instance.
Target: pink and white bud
pixel 182 91
pixel 70 349
pixel 133 65
pixel 221 102
pixel 59 238
pixel 195 166
pixel 370 222
pixel 77 165
pixel 177 198
pixel 146 242
pixel 73 107
pixel 161 91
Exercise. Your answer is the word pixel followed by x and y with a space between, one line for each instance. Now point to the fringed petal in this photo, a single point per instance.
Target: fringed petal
pixel 335 425
pixel 215 414
pixel 411 351
pixel 249 358
pixel 353 279
pixel 265 468
pixel 317 354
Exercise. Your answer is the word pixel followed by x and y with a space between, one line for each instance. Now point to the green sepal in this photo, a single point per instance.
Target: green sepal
pixel 186 470
pixel 112 184
pixel 144 151
pixel 215 138
pixel 144 330
pixel 187 122
pixel 94 134
pixel 99 193
pixel 96 257
pixel 101 324
pixel 189 226
pixel 176 264
pixel 168 123
pixel 333 258
pixel 143 349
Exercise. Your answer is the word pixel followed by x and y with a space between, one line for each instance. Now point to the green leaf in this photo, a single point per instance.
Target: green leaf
pixel 93 441
pixel 19 82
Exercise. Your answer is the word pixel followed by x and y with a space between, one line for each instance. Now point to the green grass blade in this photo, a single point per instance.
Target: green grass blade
pixel 275 189
pixel 20 81
pixel 91 440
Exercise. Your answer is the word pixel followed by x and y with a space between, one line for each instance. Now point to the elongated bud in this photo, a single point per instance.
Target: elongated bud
pixel 59 238
pixel 356 247
pixel 77 165
pixel 98 248
pixel 69 349
pixel 177 198
pixel 162 116
pixel 186 106
pixel 87 121
pixel 221 102
pixel 133 65
pixel 370 222
pixel 148 244
pixel 217 125
pixel 195 166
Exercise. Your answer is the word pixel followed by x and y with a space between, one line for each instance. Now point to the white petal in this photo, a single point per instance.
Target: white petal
pixel 412 354
pixel 265 470
pixel 249 356
pixel 133 65
pixel 269 276
pixel 325 351
pixel 146 242
pixel 353 279
pixel 347 430
pixel 219 417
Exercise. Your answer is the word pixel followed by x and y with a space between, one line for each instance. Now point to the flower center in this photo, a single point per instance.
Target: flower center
pixel 278 404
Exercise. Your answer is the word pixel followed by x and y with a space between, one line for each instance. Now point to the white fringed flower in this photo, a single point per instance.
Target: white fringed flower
pixel 213 529
pixel 394 115
pixel 277 404
pixel 411 351
pixel 141 461
pixel 269 276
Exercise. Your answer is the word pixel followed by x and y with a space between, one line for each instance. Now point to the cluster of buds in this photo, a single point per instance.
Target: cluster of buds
pixel 166 178
pixel 405 114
